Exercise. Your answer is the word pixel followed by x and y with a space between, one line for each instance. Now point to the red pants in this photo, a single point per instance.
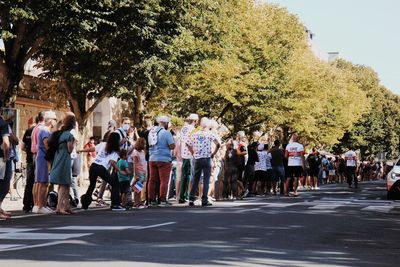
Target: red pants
pixel 159 171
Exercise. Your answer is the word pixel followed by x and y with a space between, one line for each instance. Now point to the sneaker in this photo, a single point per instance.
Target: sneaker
pixel 152 204
pixel 182 201
pixel 165 204
pixel 35 209
pixel 141 207
pixel 117 208
pixel 44 210
pixel 49 209
pixel 191 203
pixel 245 194
pixel 205 204
pixel 101 203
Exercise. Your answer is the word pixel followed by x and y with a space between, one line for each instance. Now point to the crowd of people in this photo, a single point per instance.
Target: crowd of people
pixel 146 167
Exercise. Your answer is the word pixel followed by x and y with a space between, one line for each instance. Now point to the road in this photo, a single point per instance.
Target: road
pixel 334 226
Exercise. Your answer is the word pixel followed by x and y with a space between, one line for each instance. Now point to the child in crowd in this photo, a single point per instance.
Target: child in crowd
pixel 140 163
pixel 124 179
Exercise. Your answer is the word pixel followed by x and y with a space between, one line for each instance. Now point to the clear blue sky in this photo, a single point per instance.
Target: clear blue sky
pixel 363 31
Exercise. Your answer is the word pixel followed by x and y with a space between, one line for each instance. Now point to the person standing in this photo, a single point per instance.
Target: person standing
pixel 249 169
pixel 61 170
pixel 187 157
pixel 42 170
pixel 230 171
pixel 294 152
pixel 161 143
pixel 5 166
pixel 30 166
pixel 278 165
pixel 314 162
pixel 241 147
pixel 33 148
pixel 76 162
pixel 351 167
pixel 200 144
pixel 127 135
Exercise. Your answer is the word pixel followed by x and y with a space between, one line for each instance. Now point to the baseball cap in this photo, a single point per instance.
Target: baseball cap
pixel 193 116
pixel 205 122
pixel 111 124
pixel 164 119
pixel 50 115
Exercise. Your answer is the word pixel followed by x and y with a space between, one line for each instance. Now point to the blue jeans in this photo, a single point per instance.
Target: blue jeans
pixel 202 165
pixel 5 183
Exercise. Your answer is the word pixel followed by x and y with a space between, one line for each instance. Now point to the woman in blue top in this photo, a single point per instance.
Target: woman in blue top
pixel 61 169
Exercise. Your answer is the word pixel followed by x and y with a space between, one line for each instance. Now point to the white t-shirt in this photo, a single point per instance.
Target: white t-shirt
pixel 102 158
pixel 201 142
pixel 350 157
pixel 295 152
pixel 185 135
pixel 74 154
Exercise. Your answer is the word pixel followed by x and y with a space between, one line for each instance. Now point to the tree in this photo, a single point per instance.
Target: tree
pixel 108 46
pixel 21 30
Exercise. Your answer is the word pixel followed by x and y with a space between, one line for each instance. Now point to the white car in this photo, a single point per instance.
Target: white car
pixel 393 181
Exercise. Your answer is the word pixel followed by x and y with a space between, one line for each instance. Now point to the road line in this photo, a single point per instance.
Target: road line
pixel 40 236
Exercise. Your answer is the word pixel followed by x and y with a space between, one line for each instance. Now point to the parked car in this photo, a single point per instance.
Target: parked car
pixel 393 181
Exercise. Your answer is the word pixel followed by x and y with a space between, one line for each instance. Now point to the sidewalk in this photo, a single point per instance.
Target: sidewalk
pixel 15 206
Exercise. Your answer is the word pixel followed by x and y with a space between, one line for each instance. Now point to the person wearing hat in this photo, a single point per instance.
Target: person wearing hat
pixel 111 126
pixel 187 157
pixel 161 143
pixel 200 145
pixel 41 170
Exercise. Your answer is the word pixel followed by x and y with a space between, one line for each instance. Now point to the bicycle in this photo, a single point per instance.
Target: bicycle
pixel 20 179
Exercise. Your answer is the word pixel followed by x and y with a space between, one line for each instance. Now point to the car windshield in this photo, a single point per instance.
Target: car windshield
pixel 398 163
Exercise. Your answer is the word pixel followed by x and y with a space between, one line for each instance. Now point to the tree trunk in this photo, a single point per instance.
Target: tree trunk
pixel 138 107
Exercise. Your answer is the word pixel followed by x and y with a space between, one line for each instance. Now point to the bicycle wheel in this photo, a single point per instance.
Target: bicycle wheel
pixel 19 184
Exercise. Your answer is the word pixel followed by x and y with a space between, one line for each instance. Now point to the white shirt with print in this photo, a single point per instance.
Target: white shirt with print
pixel 350 157
pixel 185 135
pixel 295 152
pixel 102 158
pixel 201 142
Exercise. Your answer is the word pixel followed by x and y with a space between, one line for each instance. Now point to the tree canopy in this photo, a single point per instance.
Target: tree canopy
pixel 247 64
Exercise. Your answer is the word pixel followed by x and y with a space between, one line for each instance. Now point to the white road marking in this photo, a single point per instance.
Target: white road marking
pixel 384 209
pixel 40 236
pixel 325 206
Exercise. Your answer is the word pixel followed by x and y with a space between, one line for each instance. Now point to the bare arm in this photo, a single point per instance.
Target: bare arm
pixel 90 149
pixel 14 139
pixel 46 143
pixel 217 146
pixel 6 147
pixel 70 146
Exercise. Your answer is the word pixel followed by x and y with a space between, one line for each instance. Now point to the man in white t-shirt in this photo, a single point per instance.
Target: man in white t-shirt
pixel 351 167
pixel 200 145
pixel 187 157
pixel 294 152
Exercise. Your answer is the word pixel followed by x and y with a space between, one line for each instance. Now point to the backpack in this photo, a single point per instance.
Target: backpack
pixel 53 145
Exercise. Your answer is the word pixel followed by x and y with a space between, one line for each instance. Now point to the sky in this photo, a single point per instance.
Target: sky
pixel 364 32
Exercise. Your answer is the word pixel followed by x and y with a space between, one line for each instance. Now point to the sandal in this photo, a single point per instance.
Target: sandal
pixel 59 212
pixel 70 212
pixel 5 213
pixel 4 216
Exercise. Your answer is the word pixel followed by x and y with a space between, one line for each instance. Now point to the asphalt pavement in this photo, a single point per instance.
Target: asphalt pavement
pixel 333 226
